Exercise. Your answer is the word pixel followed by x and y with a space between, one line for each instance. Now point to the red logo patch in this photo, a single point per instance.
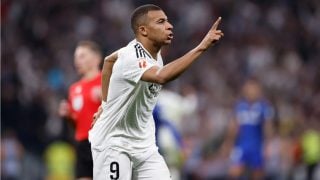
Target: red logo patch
pixel 142 63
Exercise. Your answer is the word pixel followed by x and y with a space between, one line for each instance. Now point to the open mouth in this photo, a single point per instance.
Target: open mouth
pixel 170 36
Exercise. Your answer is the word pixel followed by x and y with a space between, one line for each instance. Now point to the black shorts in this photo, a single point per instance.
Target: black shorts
pixel 84 162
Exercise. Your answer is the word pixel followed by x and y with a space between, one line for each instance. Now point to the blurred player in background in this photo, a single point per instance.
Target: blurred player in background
pixel 123 138
pixel 310 146
pixel 162 122
pixel 83 101
pixel 251 126
pixel 171 112
pixel 168 140
pixel 11 153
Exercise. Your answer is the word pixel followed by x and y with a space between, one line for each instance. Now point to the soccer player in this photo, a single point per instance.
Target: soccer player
pixel 252 124
pixel 123 137
pixel 161 122
pixel 83 101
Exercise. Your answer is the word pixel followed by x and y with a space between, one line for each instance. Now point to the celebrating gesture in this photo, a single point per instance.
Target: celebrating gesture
pixel 212 36
pixel 123 133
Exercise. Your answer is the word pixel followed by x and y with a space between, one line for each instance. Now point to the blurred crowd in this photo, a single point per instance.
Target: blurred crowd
pixel 275 41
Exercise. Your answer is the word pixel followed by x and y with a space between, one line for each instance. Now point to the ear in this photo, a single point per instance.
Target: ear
pixel 143 30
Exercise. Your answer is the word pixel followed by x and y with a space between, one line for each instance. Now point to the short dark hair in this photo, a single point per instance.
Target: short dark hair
pixel 92 46
pixel 139 14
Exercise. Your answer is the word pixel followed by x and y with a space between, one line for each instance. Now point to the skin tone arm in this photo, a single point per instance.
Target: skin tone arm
pixel 105 79
pixel 64 110
pixel 232 131
pixel 106 74
pixel 172 70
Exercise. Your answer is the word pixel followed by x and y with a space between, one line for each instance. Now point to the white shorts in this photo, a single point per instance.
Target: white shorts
pixel 116 165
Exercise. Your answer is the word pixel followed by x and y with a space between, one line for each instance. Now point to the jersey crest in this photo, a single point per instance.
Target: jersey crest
pixel 154 90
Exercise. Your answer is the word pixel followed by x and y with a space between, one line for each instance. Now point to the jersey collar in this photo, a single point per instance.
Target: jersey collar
pixel 146 50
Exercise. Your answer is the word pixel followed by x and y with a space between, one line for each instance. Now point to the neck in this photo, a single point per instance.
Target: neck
pixel 91 74
pixel 150 46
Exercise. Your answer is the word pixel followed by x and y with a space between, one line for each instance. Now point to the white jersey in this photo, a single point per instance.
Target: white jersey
pixel 126 122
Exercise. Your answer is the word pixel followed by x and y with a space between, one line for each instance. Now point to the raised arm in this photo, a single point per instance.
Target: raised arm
pixel 230 136
pixel 172 70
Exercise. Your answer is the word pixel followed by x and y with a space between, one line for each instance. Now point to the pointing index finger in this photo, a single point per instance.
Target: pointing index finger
pixel 215 25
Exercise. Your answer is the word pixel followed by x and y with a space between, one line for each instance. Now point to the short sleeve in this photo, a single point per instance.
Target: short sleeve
pixel 133 67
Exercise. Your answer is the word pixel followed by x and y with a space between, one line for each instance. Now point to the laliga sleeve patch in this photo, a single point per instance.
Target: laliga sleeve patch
pixel 142 63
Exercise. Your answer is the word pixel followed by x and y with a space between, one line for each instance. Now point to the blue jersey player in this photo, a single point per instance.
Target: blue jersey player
pixel 247 132
pixel 160 122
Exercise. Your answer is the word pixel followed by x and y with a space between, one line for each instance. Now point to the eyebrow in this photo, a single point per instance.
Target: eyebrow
pixel 162 19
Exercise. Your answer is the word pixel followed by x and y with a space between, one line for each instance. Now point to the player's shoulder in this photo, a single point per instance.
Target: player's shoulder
pixel 98 76
pixel 265 103
pixel 241 103
pixel 134 50
pixel 128 51
pixel 96 80
pixel 74 85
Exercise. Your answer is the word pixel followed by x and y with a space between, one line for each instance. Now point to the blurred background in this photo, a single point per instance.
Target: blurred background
pixel 275 41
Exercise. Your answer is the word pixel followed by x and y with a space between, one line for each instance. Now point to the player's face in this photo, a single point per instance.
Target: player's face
pixel 158 28
pixel 84 60
pixel 252 91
